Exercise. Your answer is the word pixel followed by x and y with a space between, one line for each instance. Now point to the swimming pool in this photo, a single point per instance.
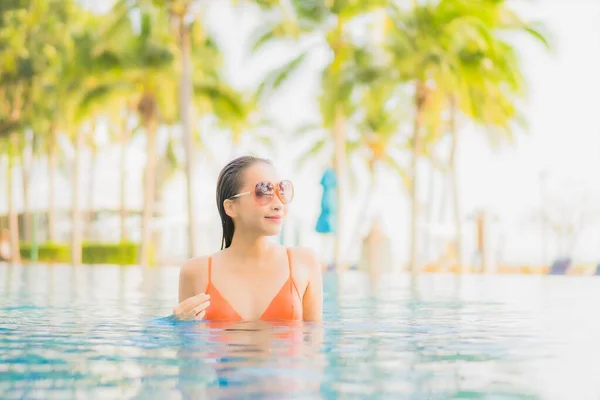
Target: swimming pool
pixel 101 332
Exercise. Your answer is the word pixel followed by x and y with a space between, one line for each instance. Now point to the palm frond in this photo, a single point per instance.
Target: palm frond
pixel 118 23
pixel 536 33
pixel 314 151
pixel 279 76
pixel 99 96
pixel 311 12
pixel 225 100
pixel 309 128
pixel 265 140
pixel 266 35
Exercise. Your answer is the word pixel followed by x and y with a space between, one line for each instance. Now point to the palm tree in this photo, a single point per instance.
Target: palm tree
pixel 115 101
pixel 180 11
pixel 52 151
pixel 13 83
pixel 82 68
pixel 120 123
pixel 450 48
pixel 297 21
pixel 92 145
pixel 115 97
pixel 491 83
pixel 380 143
pixel 13 222
pixel 153 102
pixel 423 55
pixel 50 78
pixel 29 38
pixel 417 43
pixel 159 72
pixel 24 146
pixel 237 112
pixel 145 64
pixel 195 63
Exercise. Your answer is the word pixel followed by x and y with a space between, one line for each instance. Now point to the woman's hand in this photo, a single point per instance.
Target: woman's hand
pixel 192 308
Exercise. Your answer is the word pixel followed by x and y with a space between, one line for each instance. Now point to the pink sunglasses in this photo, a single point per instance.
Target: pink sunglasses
pixel 264 191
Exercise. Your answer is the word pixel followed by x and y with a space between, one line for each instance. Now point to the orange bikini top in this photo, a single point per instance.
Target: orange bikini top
pixel 286 305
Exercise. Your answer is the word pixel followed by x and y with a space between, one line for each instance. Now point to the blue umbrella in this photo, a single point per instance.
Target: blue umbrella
pixel 328 217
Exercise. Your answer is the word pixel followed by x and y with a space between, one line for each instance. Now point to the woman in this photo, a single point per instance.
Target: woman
pixel 251 278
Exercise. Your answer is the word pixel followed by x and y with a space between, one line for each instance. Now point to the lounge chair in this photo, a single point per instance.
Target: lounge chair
pixel 560 266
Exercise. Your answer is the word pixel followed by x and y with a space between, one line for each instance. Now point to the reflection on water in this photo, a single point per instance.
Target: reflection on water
pixel 103 331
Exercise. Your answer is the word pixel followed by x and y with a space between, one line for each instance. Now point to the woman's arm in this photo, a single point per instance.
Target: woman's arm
pixel 312 301
pixel 191 277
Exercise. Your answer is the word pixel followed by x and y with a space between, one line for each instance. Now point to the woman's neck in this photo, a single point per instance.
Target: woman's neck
pixel 254 248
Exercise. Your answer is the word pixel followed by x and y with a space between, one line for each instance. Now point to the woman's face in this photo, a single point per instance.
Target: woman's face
pixel 258 207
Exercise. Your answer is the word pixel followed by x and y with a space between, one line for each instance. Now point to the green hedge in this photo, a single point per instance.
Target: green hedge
pixel 92 253
pixel 48 252
pixel 109 253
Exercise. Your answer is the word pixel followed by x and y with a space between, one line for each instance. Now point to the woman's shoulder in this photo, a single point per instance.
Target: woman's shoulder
pixel 196 267
pixel 305 257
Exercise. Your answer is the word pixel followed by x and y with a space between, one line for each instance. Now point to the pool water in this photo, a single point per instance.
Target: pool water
pixel 105 332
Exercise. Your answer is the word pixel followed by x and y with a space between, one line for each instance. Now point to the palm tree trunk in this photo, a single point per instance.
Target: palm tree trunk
pixel 414 200
pixel 420 98
pixel 52 185
pixel 25 173
pixel 455 192
pixel 76 231
pixel 91 182
pixel 364 207
pixel 149 183
pixel 336 43
pixel 430 209
pixel 185 104
pixel 91 195
pixel 161 180
pixel 13 218
pixel 125 135
pixel 340 165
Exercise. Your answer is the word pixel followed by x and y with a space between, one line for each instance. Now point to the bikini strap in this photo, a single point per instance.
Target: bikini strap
pixel 290 264
pixel 209 274
pixel 289 256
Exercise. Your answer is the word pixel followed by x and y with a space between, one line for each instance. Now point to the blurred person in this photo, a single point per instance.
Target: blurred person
pixel 4 245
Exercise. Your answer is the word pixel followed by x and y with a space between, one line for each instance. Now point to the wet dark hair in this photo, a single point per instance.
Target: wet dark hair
pixel 228 185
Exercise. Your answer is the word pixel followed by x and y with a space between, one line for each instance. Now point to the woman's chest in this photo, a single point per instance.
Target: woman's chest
pixel 258 296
